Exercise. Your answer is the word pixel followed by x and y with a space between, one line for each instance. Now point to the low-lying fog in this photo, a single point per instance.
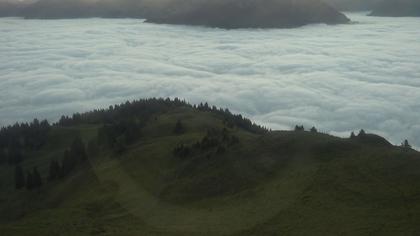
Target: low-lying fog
pixel 339 78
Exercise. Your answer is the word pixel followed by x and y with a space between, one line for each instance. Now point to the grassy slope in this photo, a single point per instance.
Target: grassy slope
pixel 279 183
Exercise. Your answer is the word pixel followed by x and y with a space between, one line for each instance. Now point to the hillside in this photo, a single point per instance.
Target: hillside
pixel 213 13
pixel 10 8
pixel 397 8
pixel 231 14
pixel 68 9
pixel 164 167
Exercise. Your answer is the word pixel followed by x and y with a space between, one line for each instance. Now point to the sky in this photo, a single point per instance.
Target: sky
pixel 338 78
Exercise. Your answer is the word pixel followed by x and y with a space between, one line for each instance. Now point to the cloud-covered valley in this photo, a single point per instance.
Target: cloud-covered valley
pixel 338 78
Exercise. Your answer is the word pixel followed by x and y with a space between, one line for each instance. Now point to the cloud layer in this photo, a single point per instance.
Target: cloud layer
pixel 339 78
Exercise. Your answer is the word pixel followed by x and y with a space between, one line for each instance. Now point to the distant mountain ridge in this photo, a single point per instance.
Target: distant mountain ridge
pixel 213 13
pixel 254 14
pixel 12 9
pixel 397 8
pixel 393 8
pixel 353 5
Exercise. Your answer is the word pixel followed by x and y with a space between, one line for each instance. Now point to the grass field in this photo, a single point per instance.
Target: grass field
pixel 277 183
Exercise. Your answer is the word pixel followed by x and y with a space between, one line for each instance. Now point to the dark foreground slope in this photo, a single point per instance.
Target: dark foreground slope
pixel 160 167
pixel 232 14
pixel 397 8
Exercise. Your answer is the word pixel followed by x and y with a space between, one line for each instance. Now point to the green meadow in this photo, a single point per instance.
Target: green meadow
pixel 244 181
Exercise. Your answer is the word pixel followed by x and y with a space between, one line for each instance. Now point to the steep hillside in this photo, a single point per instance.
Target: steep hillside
pixel 161 167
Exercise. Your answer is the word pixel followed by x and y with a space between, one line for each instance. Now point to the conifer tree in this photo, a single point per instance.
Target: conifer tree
pixel 131 132
pixel 3 156
pixel 299 128
pixel 29 181
pixel 19 177
pixel 36 178
pixel 406 144
pixel 119 145
pixel 352 135
pixel 14 154
pixel 67 164
pixel 54 172
pixel 77 150
pixel 179 128
pixel 73 156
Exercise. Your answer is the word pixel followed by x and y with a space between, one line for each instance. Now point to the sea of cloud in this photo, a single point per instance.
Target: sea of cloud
pixel 338 78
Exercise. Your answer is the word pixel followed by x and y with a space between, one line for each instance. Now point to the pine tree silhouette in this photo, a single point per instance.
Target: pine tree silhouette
pixel 29 181
pixel 54 172
pixel 19 177
pixel 179 128
pixel 406 144
pixel 36 178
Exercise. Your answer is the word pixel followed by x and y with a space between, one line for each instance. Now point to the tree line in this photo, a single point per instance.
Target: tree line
pixel 214 142
pixel 144 109
pixel 19 138
pixel 74 156
pixel 33 179
pixel 231 120
pixel 361 136
pixel 117 135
